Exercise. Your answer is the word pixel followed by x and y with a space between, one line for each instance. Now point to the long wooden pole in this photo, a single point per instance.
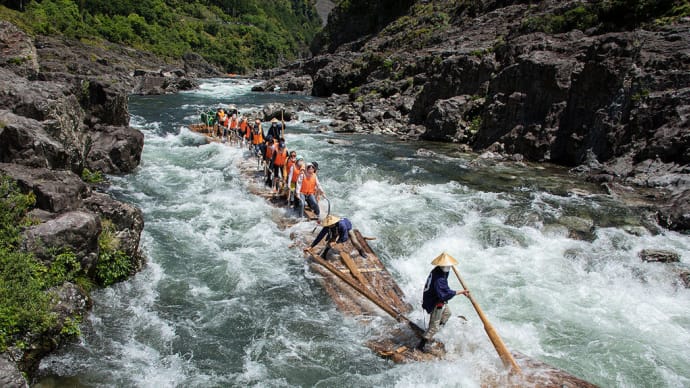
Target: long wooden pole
pixel 500 347
pixel 373 298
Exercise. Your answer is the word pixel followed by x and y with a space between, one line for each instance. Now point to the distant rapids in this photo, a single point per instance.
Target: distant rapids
pixel 225 301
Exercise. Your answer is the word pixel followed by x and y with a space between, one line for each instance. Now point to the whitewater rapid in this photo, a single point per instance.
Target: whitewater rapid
pixel 225 301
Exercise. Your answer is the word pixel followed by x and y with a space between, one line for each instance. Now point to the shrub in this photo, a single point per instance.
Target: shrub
pixel 113 264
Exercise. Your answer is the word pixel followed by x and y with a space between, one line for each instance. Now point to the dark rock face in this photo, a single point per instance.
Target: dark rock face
pixel 63 108
pixel 18 53
pixel 56 191
pixel 613 105
pixel 115 149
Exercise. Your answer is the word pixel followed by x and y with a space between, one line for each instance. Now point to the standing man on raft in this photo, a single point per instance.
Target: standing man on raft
pixel 436 297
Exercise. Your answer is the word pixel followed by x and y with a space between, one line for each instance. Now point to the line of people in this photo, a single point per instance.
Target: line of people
pixel 287 174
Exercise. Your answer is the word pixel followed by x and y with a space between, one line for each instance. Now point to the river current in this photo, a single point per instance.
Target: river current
pixel 224 299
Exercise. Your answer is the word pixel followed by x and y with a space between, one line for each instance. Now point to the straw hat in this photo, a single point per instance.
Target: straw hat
pixel 444 259
pixel 330 220
pixel 274 120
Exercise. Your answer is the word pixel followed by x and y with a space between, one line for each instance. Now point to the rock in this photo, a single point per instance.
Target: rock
pixel 18 51
pixel 55 191
pixel 451 119
pixel 76 230
pixel 10 375
pixel 659 256
pixel 26 141
pixel 71 302
pixel 685 278
pixel 675 214
pixel 106 103
pixel 115 150
pixel 127 220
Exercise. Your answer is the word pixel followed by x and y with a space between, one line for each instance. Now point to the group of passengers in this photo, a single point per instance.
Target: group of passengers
pixel 286 173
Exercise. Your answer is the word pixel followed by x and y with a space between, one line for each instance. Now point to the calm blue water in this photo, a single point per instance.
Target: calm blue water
pixel 225 301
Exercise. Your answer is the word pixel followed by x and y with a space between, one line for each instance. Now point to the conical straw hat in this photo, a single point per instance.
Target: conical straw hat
pixel 330 220
pixel 444 259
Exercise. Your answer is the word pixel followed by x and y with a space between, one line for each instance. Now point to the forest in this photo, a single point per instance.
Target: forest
pixel 236 35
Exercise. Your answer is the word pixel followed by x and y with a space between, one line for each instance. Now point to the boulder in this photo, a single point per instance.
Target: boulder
pixel 127 220
pixel 659 256
pixel 115 150
pixel 71 302
pixel 451 119
pixel 56 191
pixel 26 141
pixel 76 230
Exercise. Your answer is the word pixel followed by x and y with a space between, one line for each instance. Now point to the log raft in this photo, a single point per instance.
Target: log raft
pixel 363 288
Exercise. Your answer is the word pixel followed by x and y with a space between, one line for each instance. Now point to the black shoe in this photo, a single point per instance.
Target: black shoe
pixel 422 346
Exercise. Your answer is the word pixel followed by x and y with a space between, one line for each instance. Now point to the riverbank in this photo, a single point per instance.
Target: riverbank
pixel 606 102
pixel 64 125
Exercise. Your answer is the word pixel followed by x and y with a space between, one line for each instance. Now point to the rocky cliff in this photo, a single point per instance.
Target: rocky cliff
pixel 549 81
pixel 63 116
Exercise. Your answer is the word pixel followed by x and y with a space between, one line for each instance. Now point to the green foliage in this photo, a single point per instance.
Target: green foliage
pixel 92 177
pixel 13 208
pixel 611 15
pixel 238 35
pixel 24 305
pixel 25 302
pixel 475 125
pixel 71 327
pixel 113 264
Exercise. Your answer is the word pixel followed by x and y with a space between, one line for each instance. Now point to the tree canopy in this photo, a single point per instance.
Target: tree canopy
pixel 237 35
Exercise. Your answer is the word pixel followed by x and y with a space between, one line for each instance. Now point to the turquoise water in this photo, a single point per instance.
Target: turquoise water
pixel 225 301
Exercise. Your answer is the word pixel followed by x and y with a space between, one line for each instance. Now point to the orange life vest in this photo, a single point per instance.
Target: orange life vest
pixel 295 173
pixel 257 138
pixel 308 185
pixel 244 128
pixel 269 152
pixel 281 157
pixel 289 164
pixel 233 123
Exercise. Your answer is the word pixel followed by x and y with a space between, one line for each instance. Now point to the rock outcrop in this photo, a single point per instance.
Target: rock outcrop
pixel 611 100
pixel 63 109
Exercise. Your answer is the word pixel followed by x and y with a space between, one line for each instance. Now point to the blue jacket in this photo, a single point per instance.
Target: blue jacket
pixel 339 231
pixel 275 130
pixel 436 289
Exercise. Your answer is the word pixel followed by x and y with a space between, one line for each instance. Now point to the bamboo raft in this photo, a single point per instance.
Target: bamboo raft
pixel 363 288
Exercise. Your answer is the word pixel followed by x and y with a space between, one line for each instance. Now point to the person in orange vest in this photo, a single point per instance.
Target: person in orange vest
pixel 278 161
pixel 245 131
pixel 221 118
pixel 308 187
pixel 233 125
pixel 270 148
pixel 257 138
pixel 295 170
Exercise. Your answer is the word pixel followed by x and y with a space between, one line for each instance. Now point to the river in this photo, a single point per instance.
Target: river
pixel 224 301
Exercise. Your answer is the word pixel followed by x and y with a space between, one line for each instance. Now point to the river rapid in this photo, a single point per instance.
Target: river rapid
pixel 225 301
